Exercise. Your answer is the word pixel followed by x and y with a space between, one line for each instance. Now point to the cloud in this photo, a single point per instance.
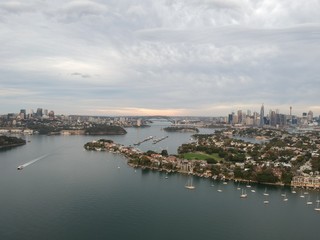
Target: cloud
pixel 81 75
pixel 16 7
pixel 76 10
pixel 181 57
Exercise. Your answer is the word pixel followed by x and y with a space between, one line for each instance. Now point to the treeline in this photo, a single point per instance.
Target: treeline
pixel 102 129
pixel 181 129
pixel 7 142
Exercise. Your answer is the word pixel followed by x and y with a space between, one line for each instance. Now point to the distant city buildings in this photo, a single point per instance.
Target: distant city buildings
pixel 273 119
pixel 247 118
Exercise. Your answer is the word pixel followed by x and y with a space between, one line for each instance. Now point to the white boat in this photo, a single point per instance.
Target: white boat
pixel 20 167
pixel 243 194
pixel 189 184
pixel 293 191
pixel 266 201
pixel 265 192
pixel 285 199
pixel 252 190
pixel 309 202
pixel 317 208
pixel 301 195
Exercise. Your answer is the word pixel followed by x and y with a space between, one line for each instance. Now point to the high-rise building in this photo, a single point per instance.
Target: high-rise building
pixel 310 116
pixel 39 112
pixel 51 114
pixel 23 114
pixel 239 116
pixel 262 116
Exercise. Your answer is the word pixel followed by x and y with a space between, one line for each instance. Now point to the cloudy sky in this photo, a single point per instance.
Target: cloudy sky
pixel 171 57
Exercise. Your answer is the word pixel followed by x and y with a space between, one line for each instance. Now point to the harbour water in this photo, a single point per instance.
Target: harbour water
pixel 75 194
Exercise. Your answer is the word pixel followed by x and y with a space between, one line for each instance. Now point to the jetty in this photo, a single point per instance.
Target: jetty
pixel 155 141
pixel 144 140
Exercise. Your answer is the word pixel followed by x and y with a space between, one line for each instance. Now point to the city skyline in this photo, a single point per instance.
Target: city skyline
pixel 175 58
pixel 43 111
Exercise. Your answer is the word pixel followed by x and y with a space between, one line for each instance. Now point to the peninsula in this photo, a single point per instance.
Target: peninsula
pixel 285 159
pixel 9 142
pixel 181 129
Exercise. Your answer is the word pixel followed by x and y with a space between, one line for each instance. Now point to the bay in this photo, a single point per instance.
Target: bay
pixel 76 194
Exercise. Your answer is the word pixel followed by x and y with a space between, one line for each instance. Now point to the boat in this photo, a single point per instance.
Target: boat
pixel 20 167
pixel 318 200
pixel 243 194
pixel 189 185
pixel 265 201
pixel 293 191
pixel 301 195
pixel 265 192
pixel 252 190
pixel 317 208
pixel 309 202
pixel 285 199
pixel 238 188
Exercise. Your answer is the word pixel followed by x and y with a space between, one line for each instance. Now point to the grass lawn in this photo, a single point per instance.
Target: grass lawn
pixel 201 156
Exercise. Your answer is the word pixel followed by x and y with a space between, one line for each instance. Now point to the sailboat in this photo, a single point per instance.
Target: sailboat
pixel 265 192
pixel 238 188
pixel 189 185
pixel 318 207
pixel 243 194
pixel 301 195
pixel 309 202
pixel 285 199
pixel 293 191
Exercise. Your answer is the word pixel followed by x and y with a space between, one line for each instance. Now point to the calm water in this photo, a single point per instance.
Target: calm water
pixel 75 194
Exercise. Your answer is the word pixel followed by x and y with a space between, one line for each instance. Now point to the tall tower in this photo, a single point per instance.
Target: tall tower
pixel 290 111
pixel 262 116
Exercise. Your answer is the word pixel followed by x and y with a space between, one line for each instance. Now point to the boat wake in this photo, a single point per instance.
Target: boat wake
pixel 31 162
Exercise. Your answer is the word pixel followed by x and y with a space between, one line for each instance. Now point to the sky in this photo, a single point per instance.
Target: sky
pixel 159 57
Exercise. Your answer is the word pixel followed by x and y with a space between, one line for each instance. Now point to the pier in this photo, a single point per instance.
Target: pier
pixel 155 141
pixel 145 140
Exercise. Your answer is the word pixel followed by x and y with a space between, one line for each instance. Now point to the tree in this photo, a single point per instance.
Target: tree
pixel 164 153
pixel 266 176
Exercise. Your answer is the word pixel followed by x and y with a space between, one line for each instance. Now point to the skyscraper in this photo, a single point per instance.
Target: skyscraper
pixel 262 116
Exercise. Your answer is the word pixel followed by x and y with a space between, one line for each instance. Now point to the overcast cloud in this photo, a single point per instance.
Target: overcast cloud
pixel 173 57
